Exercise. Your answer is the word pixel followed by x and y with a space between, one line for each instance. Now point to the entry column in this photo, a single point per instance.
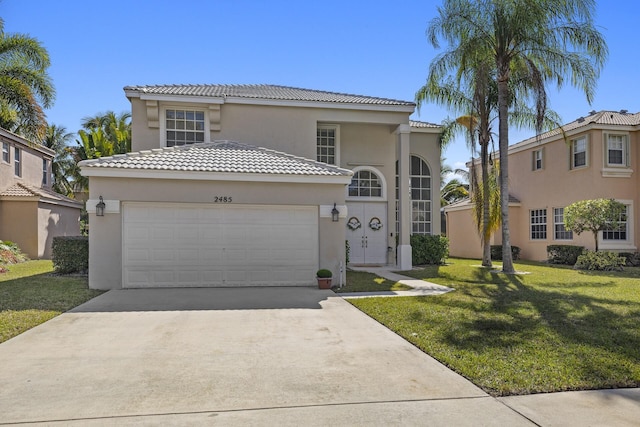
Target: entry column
pixel 403 153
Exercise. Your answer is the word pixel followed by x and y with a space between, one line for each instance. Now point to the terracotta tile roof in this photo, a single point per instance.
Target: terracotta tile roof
pixel 218 156
pixel 418 124
pixel 264 91
pixel 23 190
pixel 619 118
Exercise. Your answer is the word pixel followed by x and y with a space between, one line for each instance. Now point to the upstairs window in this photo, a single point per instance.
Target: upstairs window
pixel 579 153
pixel 327 144
pixel 17 155
pixel 537 159
pixel 5 152
pixel 538 224
pixel 45 172
pixel 617 150
pixel 184 127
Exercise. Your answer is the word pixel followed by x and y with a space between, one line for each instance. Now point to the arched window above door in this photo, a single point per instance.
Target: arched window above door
pixel 367 183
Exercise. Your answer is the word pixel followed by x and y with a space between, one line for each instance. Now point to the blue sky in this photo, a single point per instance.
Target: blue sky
pixel 375 48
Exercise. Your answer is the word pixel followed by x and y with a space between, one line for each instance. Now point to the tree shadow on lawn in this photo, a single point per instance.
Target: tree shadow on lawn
pixel 510 314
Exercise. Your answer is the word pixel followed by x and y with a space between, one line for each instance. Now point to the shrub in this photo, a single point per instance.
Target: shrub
pixel 563 254
pixel 427 249
pixel 602 260
pixel 347 251
pixel 633 258
pixel 323 273
pixel 10 253
pixel 496 252
pixel 70 254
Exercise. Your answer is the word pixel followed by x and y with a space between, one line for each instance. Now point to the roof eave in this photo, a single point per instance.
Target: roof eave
pixel 89 171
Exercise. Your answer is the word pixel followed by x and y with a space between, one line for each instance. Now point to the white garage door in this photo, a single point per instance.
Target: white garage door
pixel 182 245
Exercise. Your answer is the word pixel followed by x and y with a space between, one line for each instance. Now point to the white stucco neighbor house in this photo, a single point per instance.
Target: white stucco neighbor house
pixel 259 185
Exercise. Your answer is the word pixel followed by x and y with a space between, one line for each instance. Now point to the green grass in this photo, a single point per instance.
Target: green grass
pixel 360 281
pixel 31 295
pixel 554 329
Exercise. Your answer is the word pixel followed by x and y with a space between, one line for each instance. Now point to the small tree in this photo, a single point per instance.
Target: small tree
pixel 593 215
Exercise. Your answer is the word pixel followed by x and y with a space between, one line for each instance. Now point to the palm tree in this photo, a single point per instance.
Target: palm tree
pixel 56 138
pixel 531 42
pixel 25 86
pixel 454 189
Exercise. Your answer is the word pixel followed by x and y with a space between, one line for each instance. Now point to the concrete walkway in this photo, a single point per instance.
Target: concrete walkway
pixel 420 287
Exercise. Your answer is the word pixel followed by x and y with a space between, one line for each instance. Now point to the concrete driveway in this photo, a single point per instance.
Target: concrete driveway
pixel 249 356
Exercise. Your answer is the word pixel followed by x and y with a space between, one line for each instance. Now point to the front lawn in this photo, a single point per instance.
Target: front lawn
pixel 30 295
pixel 554 329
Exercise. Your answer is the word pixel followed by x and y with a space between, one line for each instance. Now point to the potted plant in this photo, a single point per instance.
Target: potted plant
pixel 324 278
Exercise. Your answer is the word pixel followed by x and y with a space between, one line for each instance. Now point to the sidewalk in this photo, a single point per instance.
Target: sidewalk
pixel 614 407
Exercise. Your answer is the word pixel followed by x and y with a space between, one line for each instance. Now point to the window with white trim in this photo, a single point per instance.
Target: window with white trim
pixel 45 172
pixel 365 183
pixel 538 224
pixel 537 159
pixel 579 152
pixel 620 231
pixel 17 156
pixel 420 178
pixel 559 230
pixel 5 152
pixel 184 127
pixel 617 150
pixel 327 144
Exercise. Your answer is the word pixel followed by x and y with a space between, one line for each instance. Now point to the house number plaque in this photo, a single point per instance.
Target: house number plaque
pixel 222 199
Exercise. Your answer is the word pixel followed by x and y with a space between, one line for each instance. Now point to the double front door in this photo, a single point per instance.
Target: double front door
pixel 367 232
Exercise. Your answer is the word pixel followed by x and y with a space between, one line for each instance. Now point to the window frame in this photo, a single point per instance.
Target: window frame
pixel 573 152
pixel 543 230
pixel 619 244
pixel 17 161
pixel 535 159
pixel 163 124
pixel 45 172
pixel 381 178
pixel 625 150
pixel 557 223
pixel 6 152
pixel 336 147
pixel 417 206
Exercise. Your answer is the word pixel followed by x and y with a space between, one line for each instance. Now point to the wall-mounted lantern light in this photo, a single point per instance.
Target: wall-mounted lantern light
pixel 335 214
pixel 100 207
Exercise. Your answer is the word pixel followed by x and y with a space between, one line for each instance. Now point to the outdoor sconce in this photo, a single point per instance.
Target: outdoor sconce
pixel 100 207
pixel 335 214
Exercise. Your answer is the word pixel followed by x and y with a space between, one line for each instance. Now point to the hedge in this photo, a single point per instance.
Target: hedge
pixel 564 254
pixel 70 254
pixel 496 252
pixel 601 260
pixel 427 249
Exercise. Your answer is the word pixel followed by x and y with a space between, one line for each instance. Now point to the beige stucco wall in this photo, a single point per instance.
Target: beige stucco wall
pixel 31 167
pixel 19 224
pixel 105 237
pixel 53 221
pixel 464 241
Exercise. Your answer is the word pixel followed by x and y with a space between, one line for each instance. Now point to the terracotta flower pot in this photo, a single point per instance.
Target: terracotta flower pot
pixel 324 283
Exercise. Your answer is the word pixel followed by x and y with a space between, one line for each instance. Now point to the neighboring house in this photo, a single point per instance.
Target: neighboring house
pixel 592 157
pixel 237 185
pixel 31 213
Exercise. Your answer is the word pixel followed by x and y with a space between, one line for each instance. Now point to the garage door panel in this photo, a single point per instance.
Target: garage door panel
pixel 219 245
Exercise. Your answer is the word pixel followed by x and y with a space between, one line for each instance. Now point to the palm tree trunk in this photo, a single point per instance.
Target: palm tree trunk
pixel 503 126
pixel 486 238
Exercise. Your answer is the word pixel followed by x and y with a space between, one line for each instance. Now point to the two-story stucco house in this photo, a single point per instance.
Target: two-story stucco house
pixel 31 214
pixel 595 156
pixel 232 185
